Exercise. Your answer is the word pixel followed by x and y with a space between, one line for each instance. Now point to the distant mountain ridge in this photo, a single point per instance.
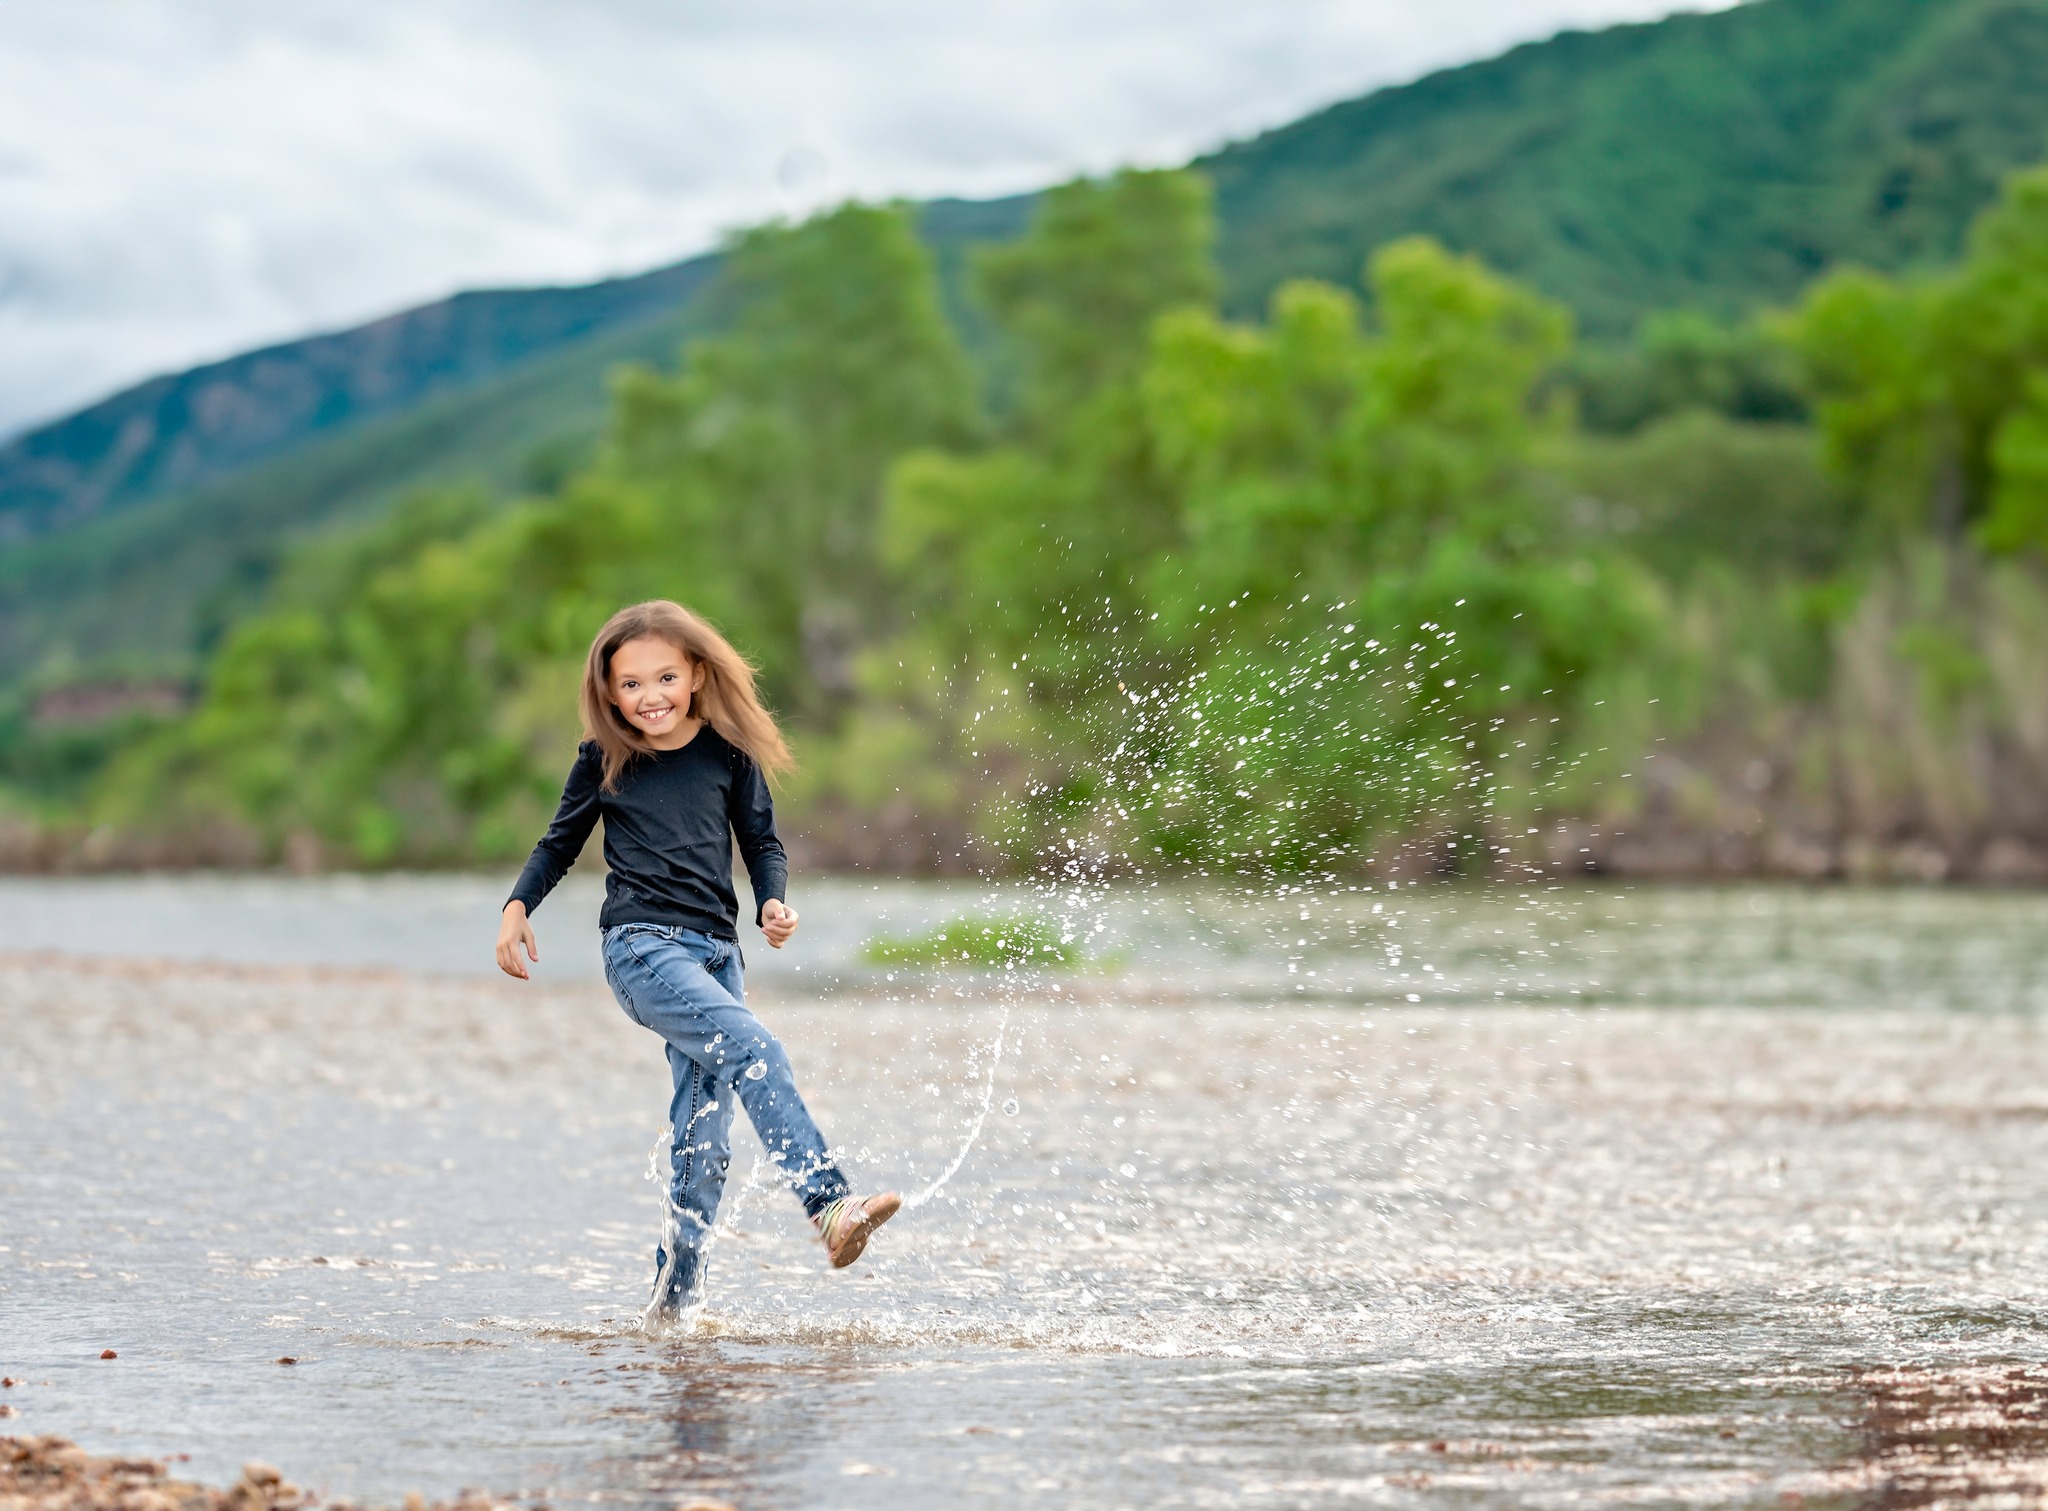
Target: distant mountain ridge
pixel 191 428
pixel 1716 160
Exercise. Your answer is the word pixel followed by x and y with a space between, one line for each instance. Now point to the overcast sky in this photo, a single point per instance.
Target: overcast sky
pixel 183 179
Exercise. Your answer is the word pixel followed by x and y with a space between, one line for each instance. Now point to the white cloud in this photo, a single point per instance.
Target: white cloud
pixel 181 179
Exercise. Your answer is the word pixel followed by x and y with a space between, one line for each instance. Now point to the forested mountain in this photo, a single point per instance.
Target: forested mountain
pixel 185 431
pixel 1714 161
pixel 1717 161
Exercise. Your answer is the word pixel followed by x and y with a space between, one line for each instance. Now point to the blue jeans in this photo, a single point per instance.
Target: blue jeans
pixel 686 986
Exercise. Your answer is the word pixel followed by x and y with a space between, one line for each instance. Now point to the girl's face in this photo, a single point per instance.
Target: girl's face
pixel 652 684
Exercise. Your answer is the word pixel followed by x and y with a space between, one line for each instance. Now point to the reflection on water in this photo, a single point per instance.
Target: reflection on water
pixel 1766 1217
pixel 1936 1437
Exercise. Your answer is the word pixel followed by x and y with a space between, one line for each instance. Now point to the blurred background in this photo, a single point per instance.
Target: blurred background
pixel 1205 434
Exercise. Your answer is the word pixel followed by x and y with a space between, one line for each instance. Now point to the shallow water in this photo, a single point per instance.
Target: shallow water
pixel 1652 1198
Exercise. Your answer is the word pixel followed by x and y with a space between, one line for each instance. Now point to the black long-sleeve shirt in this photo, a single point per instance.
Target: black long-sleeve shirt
pixel 668 834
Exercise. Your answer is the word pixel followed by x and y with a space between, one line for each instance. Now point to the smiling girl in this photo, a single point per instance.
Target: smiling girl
pixel 675 746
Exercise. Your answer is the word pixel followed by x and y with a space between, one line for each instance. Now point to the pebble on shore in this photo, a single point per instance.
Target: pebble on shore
pixel 55 1474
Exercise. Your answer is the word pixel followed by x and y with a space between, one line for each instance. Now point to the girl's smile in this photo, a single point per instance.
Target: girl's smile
pixel 653 684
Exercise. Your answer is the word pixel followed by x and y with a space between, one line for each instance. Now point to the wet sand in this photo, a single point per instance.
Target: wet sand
pixel 55 1474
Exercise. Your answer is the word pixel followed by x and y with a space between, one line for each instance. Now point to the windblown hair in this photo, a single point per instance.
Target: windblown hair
pixel 727 701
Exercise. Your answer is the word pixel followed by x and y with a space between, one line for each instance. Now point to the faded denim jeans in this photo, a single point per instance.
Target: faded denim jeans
pixel 686 986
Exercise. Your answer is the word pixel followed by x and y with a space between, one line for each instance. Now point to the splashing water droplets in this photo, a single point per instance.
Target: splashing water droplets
pixel 1221 820
pixel 988 1091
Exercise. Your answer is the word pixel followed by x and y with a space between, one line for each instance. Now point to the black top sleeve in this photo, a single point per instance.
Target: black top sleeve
pixel 752 812
pixel 574 819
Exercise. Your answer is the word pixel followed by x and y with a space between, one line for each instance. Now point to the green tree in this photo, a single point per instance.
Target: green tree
pixel 1079 293
pixel 1246 599
pixel 1930 393
pixel 1363 547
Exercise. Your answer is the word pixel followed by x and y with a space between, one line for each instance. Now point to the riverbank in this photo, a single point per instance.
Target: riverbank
pixel 1752 839
pixel 53 1473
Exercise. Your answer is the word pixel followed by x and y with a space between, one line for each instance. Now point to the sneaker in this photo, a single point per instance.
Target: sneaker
pixel 676 1272
pixel 847 1223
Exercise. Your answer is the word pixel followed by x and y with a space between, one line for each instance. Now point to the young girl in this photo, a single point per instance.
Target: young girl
pixel 675 744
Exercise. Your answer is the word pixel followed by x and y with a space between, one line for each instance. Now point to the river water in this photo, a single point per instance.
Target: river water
pixel 1400 1197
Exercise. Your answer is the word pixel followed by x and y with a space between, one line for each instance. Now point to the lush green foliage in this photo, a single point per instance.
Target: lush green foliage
pixel 1291 597
pixel 1933 394
pixel 1245 598
pixel 967 942
pixel 1683 361
pixel 1255 596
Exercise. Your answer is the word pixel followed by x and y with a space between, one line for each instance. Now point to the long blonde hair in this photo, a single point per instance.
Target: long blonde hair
pixel 727 701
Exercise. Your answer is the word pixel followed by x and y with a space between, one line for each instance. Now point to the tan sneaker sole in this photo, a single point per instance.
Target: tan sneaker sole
pixel 852 1238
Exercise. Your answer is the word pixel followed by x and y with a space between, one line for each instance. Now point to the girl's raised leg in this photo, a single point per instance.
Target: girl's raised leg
pixel 685 988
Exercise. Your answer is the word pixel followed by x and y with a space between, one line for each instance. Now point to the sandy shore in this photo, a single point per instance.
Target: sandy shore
pixel 55 1474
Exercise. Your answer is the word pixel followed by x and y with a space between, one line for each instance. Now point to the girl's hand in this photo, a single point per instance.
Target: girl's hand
pixel 778 922
pixel 513 933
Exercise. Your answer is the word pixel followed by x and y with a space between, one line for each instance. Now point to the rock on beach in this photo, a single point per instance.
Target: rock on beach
pixel 55 1474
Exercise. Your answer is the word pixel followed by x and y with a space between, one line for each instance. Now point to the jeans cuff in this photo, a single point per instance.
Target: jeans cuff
pixel 823 1189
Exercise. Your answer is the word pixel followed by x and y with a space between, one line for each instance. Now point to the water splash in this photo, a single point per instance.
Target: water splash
pixel 1287 796
pixel 988 1092
pixel 651 1321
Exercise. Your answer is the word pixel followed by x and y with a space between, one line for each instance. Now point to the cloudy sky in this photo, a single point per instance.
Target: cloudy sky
pixel 182 179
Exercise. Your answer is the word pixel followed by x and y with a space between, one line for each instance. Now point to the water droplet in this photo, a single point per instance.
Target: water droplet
pixel 1010 1108
pixel 757 1071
